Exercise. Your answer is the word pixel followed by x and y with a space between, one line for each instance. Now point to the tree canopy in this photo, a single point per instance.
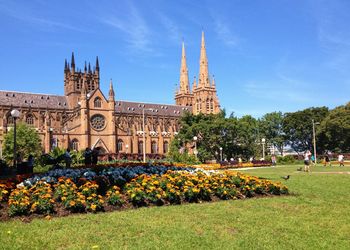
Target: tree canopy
pixel 28 142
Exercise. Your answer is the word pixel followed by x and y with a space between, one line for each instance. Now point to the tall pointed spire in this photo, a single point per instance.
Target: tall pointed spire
pixel 73 61
pixel 65 65
pixel 194 83
pixel 184 82
pixel 89 68
pixel 97 64
pixel 111 90
pixel 213 82
pixel 203 78
pixel 85 68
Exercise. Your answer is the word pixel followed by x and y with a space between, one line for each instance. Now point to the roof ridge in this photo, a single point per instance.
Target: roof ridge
pixel 22 92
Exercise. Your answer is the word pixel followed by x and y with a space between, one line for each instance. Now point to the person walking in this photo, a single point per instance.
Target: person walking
pixel 67 158
pixel 307 161
pixel 30 164
pixel 327 161
pixel 94 156
pixel 313 160
pixel 87 157
pixel 273 160
pixel 341 160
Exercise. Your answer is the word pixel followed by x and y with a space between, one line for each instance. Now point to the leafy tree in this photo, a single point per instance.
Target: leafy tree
pixel 28 142
pixel 297 127
pixel 271 125
pixel 235 136
pixel 334 130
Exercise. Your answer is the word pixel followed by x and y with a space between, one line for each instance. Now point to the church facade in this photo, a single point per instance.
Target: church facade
pixel 84 117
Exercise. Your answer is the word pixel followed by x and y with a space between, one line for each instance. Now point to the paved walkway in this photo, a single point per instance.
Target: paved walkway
pixel 331 172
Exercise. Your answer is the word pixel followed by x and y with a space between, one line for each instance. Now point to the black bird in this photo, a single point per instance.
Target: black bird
pixel 299 169
pixel 285 177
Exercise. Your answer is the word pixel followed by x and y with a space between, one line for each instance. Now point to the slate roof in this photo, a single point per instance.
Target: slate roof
pixel 22 99
pixel 157 109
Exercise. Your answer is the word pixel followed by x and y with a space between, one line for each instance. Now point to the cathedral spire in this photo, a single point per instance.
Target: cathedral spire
pixel 111 90
pixel 73 61
pixel 194 83
pixel 184 82
pixel 97 64
pixel 85 68
pixel 213 82
pixel 203 78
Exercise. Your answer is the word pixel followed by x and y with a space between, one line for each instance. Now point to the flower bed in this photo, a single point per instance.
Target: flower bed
pixel 234 164
pixel 171 187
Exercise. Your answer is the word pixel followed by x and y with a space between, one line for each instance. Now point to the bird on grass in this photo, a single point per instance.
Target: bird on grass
pixel 299 169
pixel 285 177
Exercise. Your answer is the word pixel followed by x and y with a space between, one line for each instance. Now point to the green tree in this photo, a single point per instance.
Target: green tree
pixel 236 137
pixel 334 130
pixel 271 126
pixel 28 142
pixel 297 127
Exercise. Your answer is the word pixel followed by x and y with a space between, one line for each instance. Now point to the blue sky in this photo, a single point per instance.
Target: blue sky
pixel 274 55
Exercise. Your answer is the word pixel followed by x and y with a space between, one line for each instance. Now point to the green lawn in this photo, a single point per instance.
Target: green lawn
pixel 315 216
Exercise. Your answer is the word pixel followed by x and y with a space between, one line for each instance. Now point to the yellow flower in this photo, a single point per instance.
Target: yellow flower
pixel 72 203
pixel 93 207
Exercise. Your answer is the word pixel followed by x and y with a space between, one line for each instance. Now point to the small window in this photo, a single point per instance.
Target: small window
pixel 120 145
pixel 30 120
pixel 165 147
pixel 97 102
pixel 154 147
pixel 10 120
pixel 75 145
pixel 140 147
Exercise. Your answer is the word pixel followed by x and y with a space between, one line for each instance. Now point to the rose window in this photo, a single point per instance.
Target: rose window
pixel 98 122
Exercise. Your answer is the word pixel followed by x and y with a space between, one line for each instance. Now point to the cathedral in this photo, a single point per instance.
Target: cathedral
pixel 84 117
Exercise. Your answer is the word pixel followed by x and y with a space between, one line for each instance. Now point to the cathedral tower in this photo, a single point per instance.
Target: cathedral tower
pixel 203 97
pixel 74 80
pixel 183 95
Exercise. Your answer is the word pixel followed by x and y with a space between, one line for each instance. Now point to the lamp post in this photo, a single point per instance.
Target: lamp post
pixel 195 138
pixel 127 147
pixel 15 114
pixel 144 134
pixel 263 144
pixel 314 137
pixel 220 154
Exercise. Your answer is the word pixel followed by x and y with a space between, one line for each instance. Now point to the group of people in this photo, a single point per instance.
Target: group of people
pixel 90 157
pixel 310 159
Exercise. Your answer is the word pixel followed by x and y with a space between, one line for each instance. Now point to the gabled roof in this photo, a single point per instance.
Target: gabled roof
pixel 157 109
pixel 23 99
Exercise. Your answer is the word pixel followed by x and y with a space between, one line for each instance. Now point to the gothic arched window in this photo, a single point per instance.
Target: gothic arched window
pixel 97 102
pixel 120 145
pixel 165 147
pixel 140 147
pixel 30 119
pixel 208 105
pixel 154 147
pixel 211 105
pixel 75 144
pixel 10 120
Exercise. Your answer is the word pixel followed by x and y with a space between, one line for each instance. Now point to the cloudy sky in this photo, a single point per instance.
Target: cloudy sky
pixel 275 55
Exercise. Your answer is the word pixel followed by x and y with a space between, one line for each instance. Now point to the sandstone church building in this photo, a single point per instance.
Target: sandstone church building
pixel 85 117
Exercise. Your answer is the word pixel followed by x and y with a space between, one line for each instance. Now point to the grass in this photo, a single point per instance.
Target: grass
pixel 315 216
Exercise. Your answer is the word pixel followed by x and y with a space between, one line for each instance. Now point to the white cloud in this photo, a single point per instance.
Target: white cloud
pixel 225 34
pixel 23 14
pixel 134 27
pixel 171 28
